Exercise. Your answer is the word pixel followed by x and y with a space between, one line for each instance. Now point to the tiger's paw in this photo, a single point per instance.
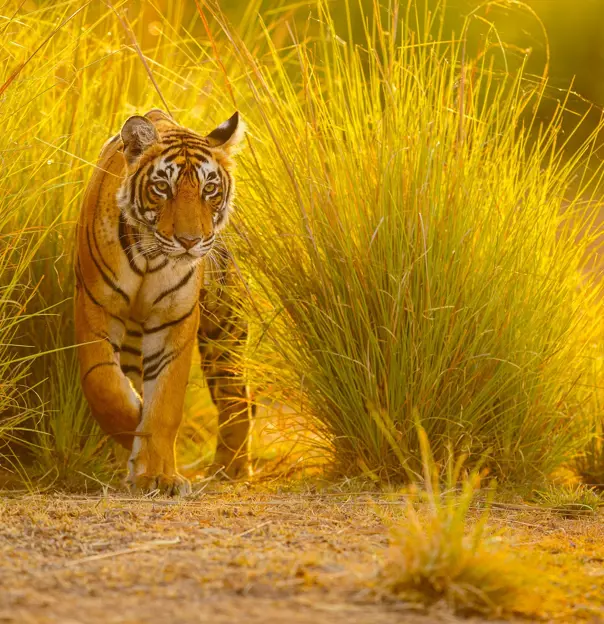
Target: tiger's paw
pixel 168 485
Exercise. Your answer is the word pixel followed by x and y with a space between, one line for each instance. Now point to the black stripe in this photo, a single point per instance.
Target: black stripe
pixel 135 182
pixel 158 354
pixel 96 244
pixel 150 199
pixel 169 152
pixel 196 144
pixel 90 295
pixel 132 350
pixel 154 371
pixel 97 366
pixel 171 135
pixel 198 157
pixel 138 193
pixel 227 186
pixel 163 238
pixel 189 145
pixel 158 367
pixel 129 368
pixel 124 242
pixel 183 282
pixel 102 336
pixel 106 279
pixel 105 337
pixel 179 175
pixel 156 374
pixel 78 273
pixel 137 241
pixel 96 303
pixel 134 332
pixel 199 151
pixel 133 179
pixel 152 330
pixel 159 267
pixel 172 157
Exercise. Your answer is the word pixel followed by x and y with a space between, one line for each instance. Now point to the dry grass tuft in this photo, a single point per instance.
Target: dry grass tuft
pixel 438 553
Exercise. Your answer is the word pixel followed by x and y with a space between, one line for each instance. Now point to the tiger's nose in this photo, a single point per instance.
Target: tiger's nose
pixel 187 241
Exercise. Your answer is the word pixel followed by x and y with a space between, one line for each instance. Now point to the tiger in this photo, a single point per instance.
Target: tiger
pixel 145 293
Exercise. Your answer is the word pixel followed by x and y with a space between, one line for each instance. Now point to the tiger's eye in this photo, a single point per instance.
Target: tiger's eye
pixel 161 186
pixel 209 188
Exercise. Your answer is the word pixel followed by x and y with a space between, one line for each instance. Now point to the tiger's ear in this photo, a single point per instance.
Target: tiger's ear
pixel 228 135
pixel 138 134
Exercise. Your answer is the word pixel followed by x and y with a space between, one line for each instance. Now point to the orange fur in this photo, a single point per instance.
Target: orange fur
pixel 141 239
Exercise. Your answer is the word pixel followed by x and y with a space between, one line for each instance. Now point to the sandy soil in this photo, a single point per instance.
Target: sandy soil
pixel 240 555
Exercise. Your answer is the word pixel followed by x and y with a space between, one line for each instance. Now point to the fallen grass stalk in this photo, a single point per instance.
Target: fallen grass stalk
pixel 124 551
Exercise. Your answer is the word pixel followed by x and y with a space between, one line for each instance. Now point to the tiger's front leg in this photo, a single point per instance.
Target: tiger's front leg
pixel 167 352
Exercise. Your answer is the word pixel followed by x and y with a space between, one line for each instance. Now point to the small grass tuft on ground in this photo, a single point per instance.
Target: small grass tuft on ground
pixel 569 499
pixel 440 551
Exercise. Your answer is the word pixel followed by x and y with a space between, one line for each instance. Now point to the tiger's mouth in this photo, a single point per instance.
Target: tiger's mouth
pixel 190 247
pixel 188 255
pixel 192 254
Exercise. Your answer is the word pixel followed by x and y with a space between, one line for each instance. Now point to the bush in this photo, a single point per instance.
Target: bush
pixel 412 233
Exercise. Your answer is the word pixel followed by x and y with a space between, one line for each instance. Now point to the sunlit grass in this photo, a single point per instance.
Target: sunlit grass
pixel 21 407
pixel 411 231
pixel 399 228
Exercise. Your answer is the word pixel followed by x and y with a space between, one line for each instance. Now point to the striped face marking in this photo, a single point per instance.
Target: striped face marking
pixel 178 186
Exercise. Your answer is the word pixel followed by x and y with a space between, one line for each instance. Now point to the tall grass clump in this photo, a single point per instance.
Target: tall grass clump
pixel 21 406
pixel 411 231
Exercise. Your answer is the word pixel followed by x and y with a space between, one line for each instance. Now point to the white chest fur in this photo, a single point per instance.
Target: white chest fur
pixel 168 293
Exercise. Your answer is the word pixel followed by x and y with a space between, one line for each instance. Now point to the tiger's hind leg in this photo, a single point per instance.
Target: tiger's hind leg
pixel 222 337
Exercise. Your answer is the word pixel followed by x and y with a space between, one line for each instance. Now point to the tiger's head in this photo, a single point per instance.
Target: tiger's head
pixel 178 188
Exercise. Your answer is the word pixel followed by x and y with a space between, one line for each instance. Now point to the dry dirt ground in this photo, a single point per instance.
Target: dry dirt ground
pixel 241 554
